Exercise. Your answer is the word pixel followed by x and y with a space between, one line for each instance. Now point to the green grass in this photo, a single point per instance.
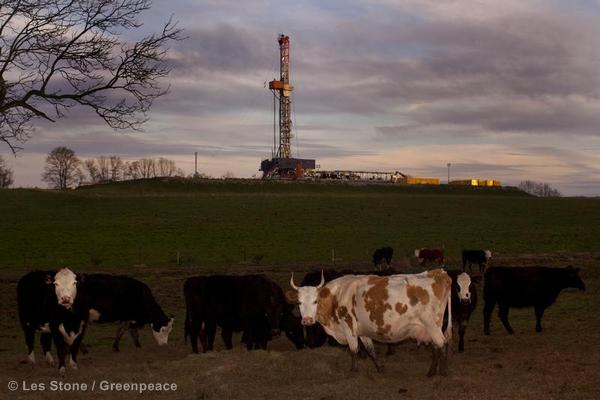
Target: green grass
pixel 226 223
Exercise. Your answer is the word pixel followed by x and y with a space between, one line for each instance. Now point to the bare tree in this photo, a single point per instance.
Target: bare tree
pixel 116 168
pixel 57 54
pixel 92 169
pixel 166 167
pixel 103 169
pixel 6 174
pixel 62 169
pixel 540 189
pixel 132 170
pixel 147 168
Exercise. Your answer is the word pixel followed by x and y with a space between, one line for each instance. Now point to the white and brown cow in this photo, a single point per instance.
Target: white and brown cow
pixel 387 309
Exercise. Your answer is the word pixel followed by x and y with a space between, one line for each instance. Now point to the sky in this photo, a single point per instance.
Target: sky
pixel 506 90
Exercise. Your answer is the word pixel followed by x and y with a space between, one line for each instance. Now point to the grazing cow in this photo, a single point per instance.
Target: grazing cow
pixel 464 302
pixel 479 257
pixel 289 324
pixel 104 298
pixel 249 303
pixel 520 287
pixel 429 255
pixel 39 310
pixel 387 309
pixel 381 255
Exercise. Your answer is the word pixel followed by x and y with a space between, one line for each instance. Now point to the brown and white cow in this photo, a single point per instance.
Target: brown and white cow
pixel 387 309
pixel 429 255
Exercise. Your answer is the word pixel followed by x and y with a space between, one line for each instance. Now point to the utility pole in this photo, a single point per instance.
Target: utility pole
pixel 449 172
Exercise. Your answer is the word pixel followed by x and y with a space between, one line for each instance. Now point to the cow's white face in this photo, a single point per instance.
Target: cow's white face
pixel 308 297
pixel 417 252
pixel 162 335
pixel 488 254
pixel 65 286
pixel 463 282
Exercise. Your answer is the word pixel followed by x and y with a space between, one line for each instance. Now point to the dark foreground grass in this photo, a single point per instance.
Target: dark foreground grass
pixel 225 224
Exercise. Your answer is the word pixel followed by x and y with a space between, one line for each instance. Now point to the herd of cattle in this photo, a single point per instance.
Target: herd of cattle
pixel 349 308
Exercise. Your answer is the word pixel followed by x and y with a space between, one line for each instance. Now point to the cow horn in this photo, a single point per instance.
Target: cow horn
pixel 322 281
pixel 292 283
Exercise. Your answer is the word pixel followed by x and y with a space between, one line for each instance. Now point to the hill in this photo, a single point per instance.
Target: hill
pixel 232 222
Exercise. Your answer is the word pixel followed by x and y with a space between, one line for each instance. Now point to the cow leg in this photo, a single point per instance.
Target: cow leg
pixel 210 328
pixel 462 327
pixel 226 334
pixel 503 315
pixel 539 313
pixel 435 358
pixel 121 328
pixel 487 315
pixel 353 347
pixel 135 335
pixel 29 333
pixel 46 342
pixel 75 347
pixel 61 349
pixel 443 361
pixel 370 348
pixel 391 349
pixel 194 330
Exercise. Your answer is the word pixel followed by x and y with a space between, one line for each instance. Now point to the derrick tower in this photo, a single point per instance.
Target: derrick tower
pixel 282 165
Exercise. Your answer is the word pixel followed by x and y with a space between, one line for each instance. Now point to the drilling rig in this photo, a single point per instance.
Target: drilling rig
pixel 282 164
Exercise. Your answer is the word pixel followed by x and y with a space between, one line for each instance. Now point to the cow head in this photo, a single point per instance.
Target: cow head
pixel 463 283
pixel 573 279
pixel 161 331
pixel 488 254
pixel 307 299
pixel 65 286
pixel 417 252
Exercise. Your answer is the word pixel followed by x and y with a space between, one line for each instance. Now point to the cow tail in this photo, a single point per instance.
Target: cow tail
pixel 447 324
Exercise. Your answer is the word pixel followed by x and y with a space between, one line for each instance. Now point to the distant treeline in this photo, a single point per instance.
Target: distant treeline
pixel 113 169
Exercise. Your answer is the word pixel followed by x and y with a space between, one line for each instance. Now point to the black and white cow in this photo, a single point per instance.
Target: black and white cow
pixel 520 287
pixel 102 298
pixel 39 310
pixel 381 255
pixel 464 302
pixel 479 257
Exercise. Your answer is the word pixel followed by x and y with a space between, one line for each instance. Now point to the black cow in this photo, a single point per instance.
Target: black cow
pixel 519 287
pixel 479 257
pixel 38 309
pixel 290 324
pixel 104 298
pixel 380 255
pixel 464 302
pixel 249 303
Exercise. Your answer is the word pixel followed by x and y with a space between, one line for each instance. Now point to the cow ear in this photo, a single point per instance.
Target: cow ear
pixel 49 280
pixel 291 296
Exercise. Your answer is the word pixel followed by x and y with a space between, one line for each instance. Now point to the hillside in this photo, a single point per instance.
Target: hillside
pixel 244 222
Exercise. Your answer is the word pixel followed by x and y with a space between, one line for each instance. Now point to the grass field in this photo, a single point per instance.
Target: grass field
pixel 231 223
pixel 234 227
